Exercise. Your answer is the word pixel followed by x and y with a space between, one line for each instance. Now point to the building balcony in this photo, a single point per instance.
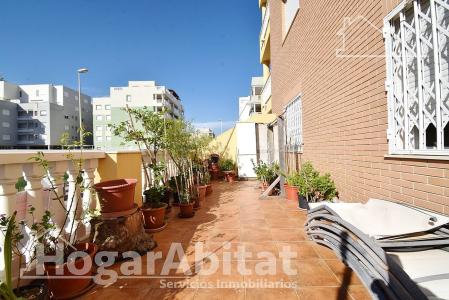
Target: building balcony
pixel 264 37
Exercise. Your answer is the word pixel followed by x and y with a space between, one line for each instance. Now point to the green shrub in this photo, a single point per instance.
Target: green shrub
pixel 227 165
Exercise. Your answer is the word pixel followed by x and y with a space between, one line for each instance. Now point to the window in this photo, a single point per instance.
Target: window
pixel 66 127
pixel 293 125
pixel 98 107
pixel 99 138
pixel 5 124
pixel 107 107
pixel 416 41
pixel 20 94
pixel 108 118
pixel 108 138
pixel 99 128
pixel 66 117
pixel 37 93
pixel 99 118
pixel 5 112
pixel 43 112
pixel 128 98
pixel 6 137
pixel 290 8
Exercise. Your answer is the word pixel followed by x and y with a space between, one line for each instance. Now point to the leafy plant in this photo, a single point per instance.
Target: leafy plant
pixel 21 184
pixel 227 165
pixel 154 196
pixel 312 185
pixel 266 173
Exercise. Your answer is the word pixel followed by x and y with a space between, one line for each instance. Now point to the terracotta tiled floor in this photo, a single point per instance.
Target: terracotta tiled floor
pixel 234 216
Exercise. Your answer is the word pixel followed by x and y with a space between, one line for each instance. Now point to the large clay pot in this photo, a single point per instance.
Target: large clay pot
pixel 154 218
pixel 186 210
pixel 68 285
pixel 292 193
pixel 116 195
pixel 230 176
pixel 208 189
pixel 202 190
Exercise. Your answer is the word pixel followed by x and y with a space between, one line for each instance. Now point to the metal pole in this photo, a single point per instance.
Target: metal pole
pixel 79 110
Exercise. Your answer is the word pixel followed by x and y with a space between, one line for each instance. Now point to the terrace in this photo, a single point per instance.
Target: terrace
pixel 233 216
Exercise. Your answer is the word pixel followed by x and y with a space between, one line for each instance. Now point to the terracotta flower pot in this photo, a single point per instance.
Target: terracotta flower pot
pixel 196 203
pixel 292 193
pixel 230 176
pixel 63 287
pixel 154 218
pixel 208 189
pixel 202 190
pixel 186 210
pixel 116 195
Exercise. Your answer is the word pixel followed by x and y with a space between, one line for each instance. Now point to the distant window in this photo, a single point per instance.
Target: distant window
pixel 66 127
pixel 99 138
pixel 6 137
pixel 99 128
pixel 108 118
pixel 99 118
pixel 31 113
pixel 98 107
pixel 37 93
pixel 293 125
pixel 108 138
pixel 291 7
pixel 5 112
pixel 43 112
pixel 66 117
pixel 5 124
pixel 107 107
pixel 20 94
pixel 128 98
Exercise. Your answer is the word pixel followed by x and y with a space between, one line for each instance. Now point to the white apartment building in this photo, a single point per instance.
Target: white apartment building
pixel 251 104
pixel 109 110
pixel 42 113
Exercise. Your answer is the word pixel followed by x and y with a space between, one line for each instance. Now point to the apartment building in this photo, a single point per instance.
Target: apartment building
pixel 36 116
pixel 110 110
pixel 361 89
pixel 251 104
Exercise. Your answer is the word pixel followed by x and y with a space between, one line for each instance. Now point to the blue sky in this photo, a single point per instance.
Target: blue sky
pixel 207 50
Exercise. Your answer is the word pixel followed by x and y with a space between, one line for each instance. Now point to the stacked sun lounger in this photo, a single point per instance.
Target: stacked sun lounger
pixel 398 251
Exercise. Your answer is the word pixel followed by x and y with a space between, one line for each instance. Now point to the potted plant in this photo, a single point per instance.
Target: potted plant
pixel 153 209
pixel 228 167
pixel 293 181
pixel 313 187
pixel 180 141
pixel 186 205
pixel 206 179
pixel 13 245
pixel 61 242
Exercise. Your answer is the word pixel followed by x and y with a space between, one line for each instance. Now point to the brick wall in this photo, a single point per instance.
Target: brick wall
pixel 345 103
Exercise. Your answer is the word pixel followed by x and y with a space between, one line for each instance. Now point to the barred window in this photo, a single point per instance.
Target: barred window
pixel 293 125
pixel 417 40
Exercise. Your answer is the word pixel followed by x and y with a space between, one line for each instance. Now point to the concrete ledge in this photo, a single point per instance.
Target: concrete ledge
pixel 23 156
pixel 417 157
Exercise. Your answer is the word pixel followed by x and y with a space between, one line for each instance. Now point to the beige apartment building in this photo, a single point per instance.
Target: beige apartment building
pixel 361 89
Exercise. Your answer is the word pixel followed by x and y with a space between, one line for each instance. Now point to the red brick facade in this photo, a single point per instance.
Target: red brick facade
pixel 345 103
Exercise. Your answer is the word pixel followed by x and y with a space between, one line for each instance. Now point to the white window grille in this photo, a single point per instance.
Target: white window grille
pixel 417 40
pixel 293 125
